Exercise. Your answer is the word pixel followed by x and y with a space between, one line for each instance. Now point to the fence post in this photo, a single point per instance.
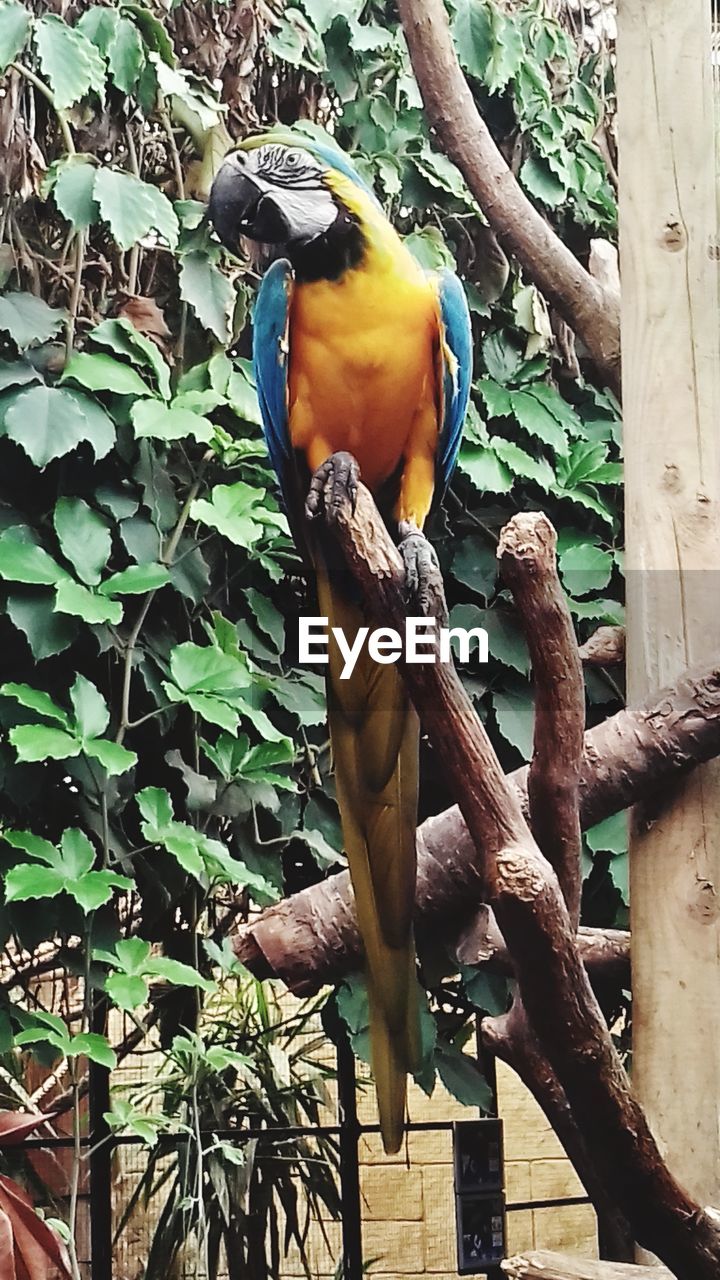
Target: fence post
pixel 349 1161
pixel 100 1162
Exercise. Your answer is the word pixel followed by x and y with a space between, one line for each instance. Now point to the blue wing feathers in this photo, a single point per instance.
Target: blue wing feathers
pixel 270 360
pixel 456 372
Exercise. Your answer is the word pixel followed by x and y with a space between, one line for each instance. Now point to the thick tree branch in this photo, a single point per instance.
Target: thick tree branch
pixel 636 756
pixel 558 1266
pixel 605 952
pixel 524 893
pixel 511 1039
pixel 591 310
pixel 528 565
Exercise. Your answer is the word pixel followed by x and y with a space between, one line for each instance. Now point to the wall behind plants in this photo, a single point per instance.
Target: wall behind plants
pixel 165 764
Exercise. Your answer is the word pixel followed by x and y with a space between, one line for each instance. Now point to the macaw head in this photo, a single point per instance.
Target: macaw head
pixel 289 192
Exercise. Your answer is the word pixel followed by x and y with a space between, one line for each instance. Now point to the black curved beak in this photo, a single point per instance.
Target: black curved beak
pixel 239 207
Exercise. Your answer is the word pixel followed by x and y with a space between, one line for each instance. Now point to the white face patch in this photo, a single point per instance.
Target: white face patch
pixel 293 178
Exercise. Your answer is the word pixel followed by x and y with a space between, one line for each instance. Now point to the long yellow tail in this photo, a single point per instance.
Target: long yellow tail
pixel 375 740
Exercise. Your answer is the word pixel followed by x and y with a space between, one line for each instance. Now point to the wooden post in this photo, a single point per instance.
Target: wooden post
pixel 671 396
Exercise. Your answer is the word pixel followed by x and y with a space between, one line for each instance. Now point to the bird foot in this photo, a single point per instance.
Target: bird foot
pixel 423 580
pixel 333 486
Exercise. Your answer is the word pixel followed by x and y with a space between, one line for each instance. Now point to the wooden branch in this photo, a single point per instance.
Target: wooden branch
pixel 558 1266
pixel 591 310
pixel 638 755
pixel 524 893
pixel 605 952
pixel 510 1038
pixel 526 552
pixel 605 647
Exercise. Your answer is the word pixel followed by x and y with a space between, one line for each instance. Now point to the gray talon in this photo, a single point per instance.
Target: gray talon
pixel 422 571
pixel 334 484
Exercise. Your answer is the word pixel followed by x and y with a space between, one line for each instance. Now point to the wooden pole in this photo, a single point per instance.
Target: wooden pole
pixel 671 395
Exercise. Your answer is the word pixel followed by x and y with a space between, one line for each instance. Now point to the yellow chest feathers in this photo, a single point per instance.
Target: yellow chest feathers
pixel 362 351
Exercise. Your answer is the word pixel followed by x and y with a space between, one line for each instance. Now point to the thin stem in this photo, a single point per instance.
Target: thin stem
pixel 166 558
pixel 47 92
pixel 76 293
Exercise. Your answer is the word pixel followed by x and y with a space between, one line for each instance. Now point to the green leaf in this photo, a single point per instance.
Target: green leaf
pixel 496 397
pixel 14 27
pixel 102 373
pixel 151 418
pixel 78 855
pixel 95 1047
pixel 73 598
pixel 32 881
pixel 47 632
pixel 36 846
pixel 136 580
pixel 428 247
pixel 73 190
pixel 28 320
pixel 133 208
pixel 539 179
pixel 502 355
pixel 585 568
pixel 210 293
pixel 48 422
pixel 124 339
pixel 610 835
pixel 91 712
pixel 25 562
pixel 475 565
pixel 114 758
pixel 484 468
pixel 462 1077
pixel 514 713
pixel 181 975
pixel 153 31
pixel 131 954
pixel 84 538
pixel 155 806
pixel 99 24
pixel 69 61
pixel 126 55
pixel 242 394
pixel 473 36
pixel 522 463
pixel 234 510
pixel 205 669
pixel 36 700
pixel 127 991
pixel 537 421
pixel 95 889
pixel 486 990
pixel 39 742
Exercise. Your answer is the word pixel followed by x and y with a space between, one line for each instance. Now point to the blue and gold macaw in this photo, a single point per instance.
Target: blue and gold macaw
pixel 363 366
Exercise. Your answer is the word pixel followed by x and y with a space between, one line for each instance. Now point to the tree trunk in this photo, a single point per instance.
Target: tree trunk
pixel 558 1266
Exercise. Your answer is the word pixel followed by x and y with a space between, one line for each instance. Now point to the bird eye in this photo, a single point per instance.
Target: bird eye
pixel 292 160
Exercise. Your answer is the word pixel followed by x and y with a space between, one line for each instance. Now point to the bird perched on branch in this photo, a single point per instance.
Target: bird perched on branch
pixel 363 367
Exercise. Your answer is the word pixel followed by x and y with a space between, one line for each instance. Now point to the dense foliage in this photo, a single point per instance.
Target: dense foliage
pixel 165 761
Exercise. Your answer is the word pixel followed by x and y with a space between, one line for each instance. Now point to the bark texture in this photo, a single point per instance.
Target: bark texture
pixel 558 1266
pixel 591 310
pixel 521 886
pixel 311 938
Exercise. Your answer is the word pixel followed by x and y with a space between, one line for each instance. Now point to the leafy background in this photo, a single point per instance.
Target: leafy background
pixel 165 762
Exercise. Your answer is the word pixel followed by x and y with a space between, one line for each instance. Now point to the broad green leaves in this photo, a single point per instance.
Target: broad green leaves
pixel 50 422
pixel 64 869
pixel 133 965
pixel 210 293
pixel 47 1028
pixel 14 28
pixel 235 510
pixel 133 208
pixel 69 61
pixel 80 731
pixel 84 538
pixel 205 859
pixel 28 320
